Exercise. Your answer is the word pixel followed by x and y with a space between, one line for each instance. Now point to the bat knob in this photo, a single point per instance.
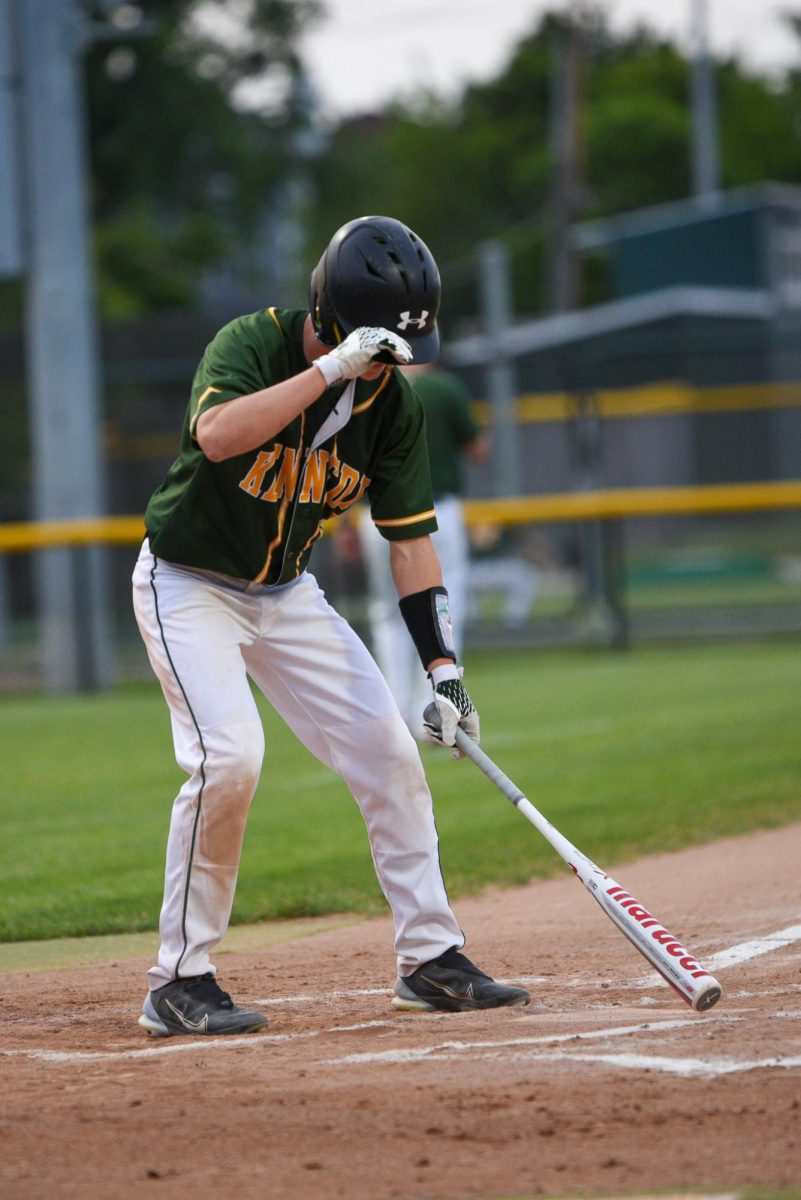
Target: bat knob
pixel 431 716
pixel 708 995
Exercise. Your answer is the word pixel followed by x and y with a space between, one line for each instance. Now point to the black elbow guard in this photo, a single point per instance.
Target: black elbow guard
pixel 428 619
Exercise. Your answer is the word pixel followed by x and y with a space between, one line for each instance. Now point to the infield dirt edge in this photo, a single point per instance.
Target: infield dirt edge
pixel 65 953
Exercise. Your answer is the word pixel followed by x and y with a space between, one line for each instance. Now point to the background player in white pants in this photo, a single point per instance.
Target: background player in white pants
pixel 452 436
pixel 293 417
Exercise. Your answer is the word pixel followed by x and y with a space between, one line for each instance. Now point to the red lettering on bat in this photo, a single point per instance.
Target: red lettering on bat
pixel 640 914
pixel 661 935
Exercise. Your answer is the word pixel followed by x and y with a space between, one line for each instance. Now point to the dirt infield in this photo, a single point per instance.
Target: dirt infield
pixel 607 1085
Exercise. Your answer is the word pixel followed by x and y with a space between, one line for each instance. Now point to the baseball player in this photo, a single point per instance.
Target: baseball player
pixel 293 417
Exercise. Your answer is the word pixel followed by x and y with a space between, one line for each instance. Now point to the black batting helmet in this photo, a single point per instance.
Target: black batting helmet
pixel 377 271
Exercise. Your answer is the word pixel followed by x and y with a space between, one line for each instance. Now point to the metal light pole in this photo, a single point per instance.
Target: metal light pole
pixel 706 155
pixel 496 306
pixel 61 341
pixel 10 208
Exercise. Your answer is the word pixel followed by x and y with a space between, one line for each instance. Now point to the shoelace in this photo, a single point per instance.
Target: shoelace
pixel 453 960
pixel 206 987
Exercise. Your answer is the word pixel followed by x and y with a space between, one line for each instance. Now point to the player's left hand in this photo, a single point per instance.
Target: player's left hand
pixel 453 708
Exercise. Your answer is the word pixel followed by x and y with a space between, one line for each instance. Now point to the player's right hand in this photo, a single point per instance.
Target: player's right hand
pixel 359 350
pixel 452 708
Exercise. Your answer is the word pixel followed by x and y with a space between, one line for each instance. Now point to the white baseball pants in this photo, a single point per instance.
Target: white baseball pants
pixel 205 634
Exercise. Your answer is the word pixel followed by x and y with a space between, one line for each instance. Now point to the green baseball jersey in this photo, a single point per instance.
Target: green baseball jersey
pixel 450 426
pixel 257 515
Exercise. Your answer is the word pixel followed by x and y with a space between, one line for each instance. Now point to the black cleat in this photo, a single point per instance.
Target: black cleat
pixel 196 1007
pixel 451 983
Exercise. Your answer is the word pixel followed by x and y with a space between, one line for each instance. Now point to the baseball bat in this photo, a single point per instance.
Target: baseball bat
pixel 688 978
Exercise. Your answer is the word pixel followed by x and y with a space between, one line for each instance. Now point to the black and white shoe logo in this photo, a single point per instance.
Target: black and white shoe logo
pixel 200 1026
pixel 443 987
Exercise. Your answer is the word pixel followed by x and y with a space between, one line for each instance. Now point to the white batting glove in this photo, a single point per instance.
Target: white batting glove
pixel 452 708
pixel 352 357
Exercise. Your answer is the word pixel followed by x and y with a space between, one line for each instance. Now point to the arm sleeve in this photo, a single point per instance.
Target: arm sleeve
pixel 234 365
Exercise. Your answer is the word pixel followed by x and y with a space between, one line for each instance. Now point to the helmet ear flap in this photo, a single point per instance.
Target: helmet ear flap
pixel 329 331
pixel 320 307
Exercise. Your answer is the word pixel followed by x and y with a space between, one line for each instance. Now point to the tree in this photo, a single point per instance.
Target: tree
pixel 192 128
pixel 482 166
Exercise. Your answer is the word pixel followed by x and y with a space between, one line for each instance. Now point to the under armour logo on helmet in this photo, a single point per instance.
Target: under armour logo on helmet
pixel 407 319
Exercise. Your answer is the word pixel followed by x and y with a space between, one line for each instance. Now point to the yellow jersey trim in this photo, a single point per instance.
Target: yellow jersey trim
pixel 210 391
pixel 399 522
pixel 277 540
pixel 365 404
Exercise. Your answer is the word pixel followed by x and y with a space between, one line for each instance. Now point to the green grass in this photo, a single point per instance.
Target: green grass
pixel 712 593
pixel 651 749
